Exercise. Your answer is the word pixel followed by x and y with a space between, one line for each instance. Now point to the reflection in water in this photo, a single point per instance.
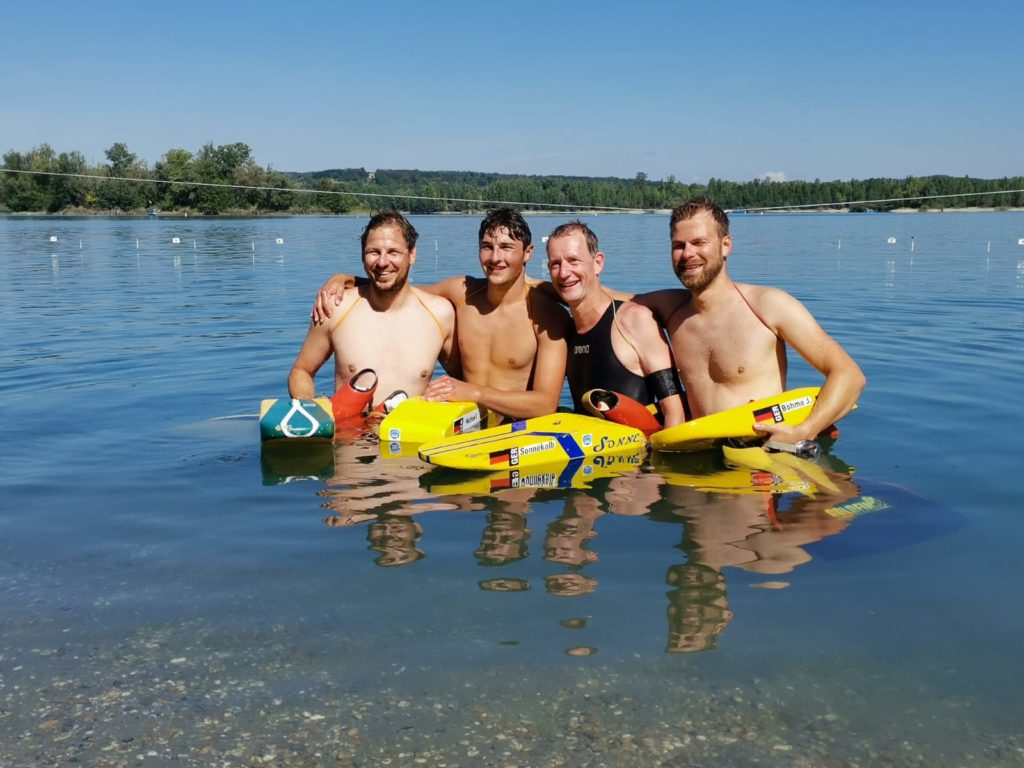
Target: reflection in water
pixel 366 485
pixel 698 609
pixel 568 536
pixel 505 536
pixel 752 526
pixel 569 584
pixel 395 538
pixel 753 511
pixel 505 585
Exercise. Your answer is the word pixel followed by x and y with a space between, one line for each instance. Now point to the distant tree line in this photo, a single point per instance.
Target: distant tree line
pixel 225 179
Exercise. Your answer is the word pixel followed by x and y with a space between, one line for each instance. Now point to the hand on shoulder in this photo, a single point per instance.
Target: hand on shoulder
pixel 329 296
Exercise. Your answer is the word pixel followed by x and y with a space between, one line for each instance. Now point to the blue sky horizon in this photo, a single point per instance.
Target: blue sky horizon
pixel 795 90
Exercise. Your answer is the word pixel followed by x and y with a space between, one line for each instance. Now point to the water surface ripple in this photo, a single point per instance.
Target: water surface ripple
pixel 169 599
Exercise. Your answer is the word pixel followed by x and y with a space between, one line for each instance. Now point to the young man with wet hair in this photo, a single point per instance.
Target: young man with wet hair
pixel 386 324
pixel 510 339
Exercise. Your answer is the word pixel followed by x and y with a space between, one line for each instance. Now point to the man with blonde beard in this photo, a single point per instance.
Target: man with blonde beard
pixel 729 339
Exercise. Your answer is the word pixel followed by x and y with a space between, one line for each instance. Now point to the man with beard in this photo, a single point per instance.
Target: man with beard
pixel 510 338
pixel 386 324
pixel 729 339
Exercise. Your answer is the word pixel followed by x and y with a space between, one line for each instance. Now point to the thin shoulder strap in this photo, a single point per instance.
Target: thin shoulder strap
pixel 427 310
pixel 347 312
pixel 752 310
pixel 469 294
pixel 621 330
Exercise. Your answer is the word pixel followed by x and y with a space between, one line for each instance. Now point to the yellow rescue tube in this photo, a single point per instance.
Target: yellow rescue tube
pixel 791 408
pixel 417 420
pixel 538 442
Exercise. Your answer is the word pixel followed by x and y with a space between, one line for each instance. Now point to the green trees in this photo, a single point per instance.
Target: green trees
pixel 70 191
pixel 225 178
pixel 176 166
pixel 116 193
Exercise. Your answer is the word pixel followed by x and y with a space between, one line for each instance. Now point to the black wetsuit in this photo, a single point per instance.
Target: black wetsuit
pixel 592 364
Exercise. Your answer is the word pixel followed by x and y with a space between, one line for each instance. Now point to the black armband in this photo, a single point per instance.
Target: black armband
pixel 664 383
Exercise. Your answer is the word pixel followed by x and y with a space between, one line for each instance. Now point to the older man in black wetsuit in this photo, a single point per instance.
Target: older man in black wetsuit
pixel 616 345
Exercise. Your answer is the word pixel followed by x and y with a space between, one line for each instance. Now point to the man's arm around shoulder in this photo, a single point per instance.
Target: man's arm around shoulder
pixel 330 294
pixel 664 303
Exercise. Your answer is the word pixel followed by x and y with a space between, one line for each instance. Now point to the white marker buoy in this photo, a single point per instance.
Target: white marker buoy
pixel 280 241
pixel 1021 241
pixel 53 238
pixel 176 240
pixel 891 241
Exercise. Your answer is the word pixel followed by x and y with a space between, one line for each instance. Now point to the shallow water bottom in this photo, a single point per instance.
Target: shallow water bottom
pixel 196 693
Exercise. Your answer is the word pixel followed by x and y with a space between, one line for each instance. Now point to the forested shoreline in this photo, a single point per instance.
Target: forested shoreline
pixel 226 180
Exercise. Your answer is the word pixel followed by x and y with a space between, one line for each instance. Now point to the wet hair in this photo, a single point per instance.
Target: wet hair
pixel 390 219
pixel 701 204
pixel 510 219
pixel 571 228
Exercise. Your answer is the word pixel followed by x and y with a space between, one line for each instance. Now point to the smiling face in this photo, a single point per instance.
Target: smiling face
pixel 699 251
pixel 502 257
pixel 387 259
pixel 574 270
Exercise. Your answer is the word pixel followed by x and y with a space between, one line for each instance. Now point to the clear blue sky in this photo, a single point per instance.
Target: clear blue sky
pixel 798 90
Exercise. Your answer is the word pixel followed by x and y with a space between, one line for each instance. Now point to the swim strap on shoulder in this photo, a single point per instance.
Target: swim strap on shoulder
pixel 427 310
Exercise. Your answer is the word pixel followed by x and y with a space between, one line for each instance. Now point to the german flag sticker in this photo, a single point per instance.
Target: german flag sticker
pixel 764 415
pixel 500 457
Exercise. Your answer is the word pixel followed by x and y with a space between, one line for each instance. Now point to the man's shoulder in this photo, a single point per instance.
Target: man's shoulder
pixel 548 314
pixel 438 305
pixel 634 315
pixel 347 299
pixel 765 296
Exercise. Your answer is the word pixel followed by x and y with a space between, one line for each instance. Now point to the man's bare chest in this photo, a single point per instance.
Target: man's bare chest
pixel 501 339
pixel 725 349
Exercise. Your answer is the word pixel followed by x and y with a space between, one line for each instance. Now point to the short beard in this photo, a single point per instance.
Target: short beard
pixel 392 289
pixel 698 283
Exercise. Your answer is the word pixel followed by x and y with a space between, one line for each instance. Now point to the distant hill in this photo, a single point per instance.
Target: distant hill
pixel 227 179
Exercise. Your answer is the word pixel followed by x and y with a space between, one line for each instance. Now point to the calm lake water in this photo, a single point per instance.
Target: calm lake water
pixel 168 600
